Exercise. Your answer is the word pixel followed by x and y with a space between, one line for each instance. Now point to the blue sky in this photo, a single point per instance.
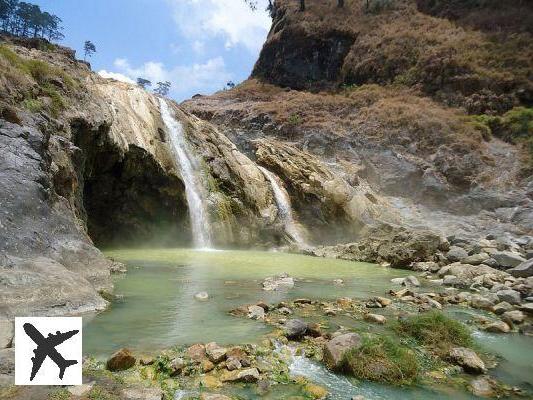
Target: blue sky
pixel 198 45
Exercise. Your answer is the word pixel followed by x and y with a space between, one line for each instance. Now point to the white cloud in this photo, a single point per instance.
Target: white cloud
pixel 198 47
pixel 232 20
pixel 209 76
pixel 115 75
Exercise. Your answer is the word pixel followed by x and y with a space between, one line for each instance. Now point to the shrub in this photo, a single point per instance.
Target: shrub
pixel 381 359
pixel 60 394
pixel 435 330
pixel 32 105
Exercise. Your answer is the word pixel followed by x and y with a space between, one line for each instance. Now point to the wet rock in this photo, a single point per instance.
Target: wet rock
pixel 336 348
pixel 215 352
pixel 467 359
pixel 513 317
pixel 176 366
pixel 285 311
pixel 502 307
pixel 497 327
pixel 344 301
pixel 244 375
pixel 475 259
pixel 383 301
pixel 482 387
pixel 411 280
pixel 295 329
pixel 142 394
pixel 456 253
pixel 509 295
pixel 6 333
pixel 263 305
pixel 201 296
pixel 527 308
pixel 81 390
pixel 233 363
pixel 302 301
pixel 282 281
pixel 480 302
pixel 314 330
pixel 338 282
pixel 523 270
pixel 239 354
pixel 507 259
pixel 121 360
pixel 526 329
pixel 423 266
pixel 256 312
pixel 379 319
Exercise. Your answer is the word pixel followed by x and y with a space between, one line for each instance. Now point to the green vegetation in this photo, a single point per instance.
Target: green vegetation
pixel 60 394
pixel 380 359
pixel 295 119
pixel 435 330
pixel 99 393
pixel 32 105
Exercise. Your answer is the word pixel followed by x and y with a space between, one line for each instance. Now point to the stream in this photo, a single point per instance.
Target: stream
pixel 158 310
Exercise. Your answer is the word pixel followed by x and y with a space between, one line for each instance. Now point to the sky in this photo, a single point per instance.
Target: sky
pixel 197 45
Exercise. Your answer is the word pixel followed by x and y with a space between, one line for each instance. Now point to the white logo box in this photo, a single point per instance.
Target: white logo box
pixel 48 331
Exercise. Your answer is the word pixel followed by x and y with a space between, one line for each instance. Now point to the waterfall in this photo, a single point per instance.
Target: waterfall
pixel 190 168
pixel 284 207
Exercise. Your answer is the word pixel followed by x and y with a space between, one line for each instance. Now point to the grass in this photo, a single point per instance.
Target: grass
pixel 60 394
pixel 99 393
pixel 436 331
pixel 380 359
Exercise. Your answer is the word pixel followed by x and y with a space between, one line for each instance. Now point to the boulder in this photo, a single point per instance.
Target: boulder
pixel 244 375
pixel 527 308
pixel 196 352
pixel 81 390
pixel 411 280
pixel 215 352
pixel 295 329
pixel 482 387
pixel 256 312
pixel 475 259
pixel 508 259
pixel 121 360
pixel 336 348
pixel 522 270
pixel 497 327
pixel 467 359
pixel 502 307
pixel 282 281
pixel 456 253
pixel 513 317
pixel 509 295
pixel 424 266
pixel 379 319
pixel 142 394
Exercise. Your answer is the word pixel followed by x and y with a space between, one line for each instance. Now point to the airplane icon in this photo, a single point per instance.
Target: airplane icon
pixel 46 348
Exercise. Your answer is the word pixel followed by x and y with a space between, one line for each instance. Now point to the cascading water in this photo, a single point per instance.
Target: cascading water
pixel 189 167
pixel 284 207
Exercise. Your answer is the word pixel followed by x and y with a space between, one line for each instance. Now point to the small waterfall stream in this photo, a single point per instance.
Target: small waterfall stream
pixel 189 167
pixel 284 207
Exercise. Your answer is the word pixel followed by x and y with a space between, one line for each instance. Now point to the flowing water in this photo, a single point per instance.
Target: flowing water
pixel 282 198
pixel 158 311
pixel 189 167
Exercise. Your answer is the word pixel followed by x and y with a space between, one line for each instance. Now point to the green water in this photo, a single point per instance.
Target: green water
pixel 159 309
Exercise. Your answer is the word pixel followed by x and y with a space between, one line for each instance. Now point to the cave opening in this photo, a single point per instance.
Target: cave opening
pixel 126 198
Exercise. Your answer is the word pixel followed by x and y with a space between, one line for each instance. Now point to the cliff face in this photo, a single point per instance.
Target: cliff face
pixel 471 54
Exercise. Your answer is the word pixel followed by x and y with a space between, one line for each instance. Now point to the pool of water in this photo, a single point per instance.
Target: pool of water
pixel 158 309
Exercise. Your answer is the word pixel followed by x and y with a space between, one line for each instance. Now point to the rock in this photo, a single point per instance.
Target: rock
pixel 480 302
pixel 527 308
pixel 81 390
pixel 513 317
pixel 467 359
pixel 314 330
pixel 142 394
pixel 120 361
pixel 523 270
pixel 302 301
pixel 344 301
pixel 336 348
pixel 398 281
pixel 210 382
pixel 482 387
pixel 176 366
pixel 380 319
pixel 6 333
pixel 502 307
pixel 201 296
pixel 507 259
pixel 475 259
pixel 196 352
pixel 215 352
pixel 338 282
pixel 315 391
pixel 282 281
pixel 411 280
pixel 526 329
pixel 256 312
pixel 207 365
pixel 383 301
pixel 244 375
pixel 263 305
pixel 491 262
pixel 456 253
pixel 423 266
pixel 213 396
pixel 233 363
pixel 295 329
pixel 285 311
pixel 451 280
pixel 7 361
pixel 497 327
pixel 509 295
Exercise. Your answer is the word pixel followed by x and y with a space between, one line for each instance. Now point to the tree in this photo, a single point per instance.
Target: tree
pixel 340 3
pixel 26 19
pixel 162 88
pixel 230 85
pixel 143 82
pixel 302 5
pixel 89 48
